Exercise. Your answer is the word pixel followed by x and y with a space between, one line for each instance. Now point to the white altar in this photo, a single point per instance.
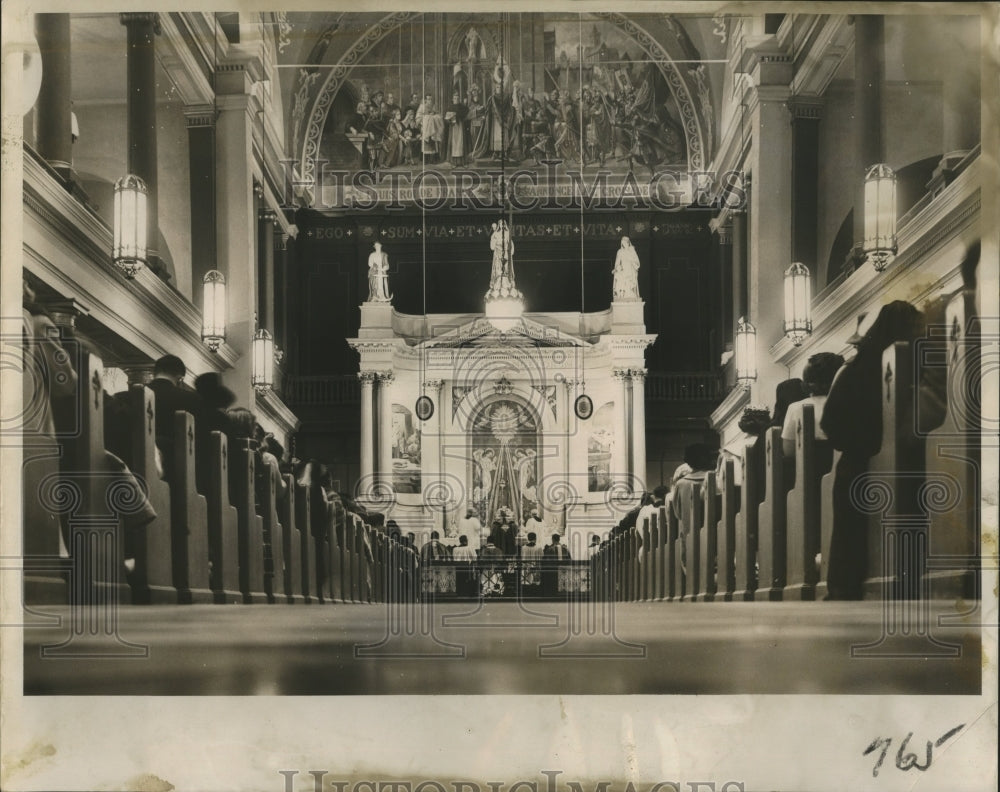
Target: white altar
pixel 457 415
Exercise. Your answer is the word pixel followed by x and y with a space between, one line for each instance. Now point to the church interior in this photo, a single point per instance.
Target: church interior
pixel 547 321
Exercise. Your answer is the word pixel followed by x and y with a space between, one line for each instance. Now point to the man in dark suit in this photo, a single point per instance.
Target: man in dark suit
pixel 170 395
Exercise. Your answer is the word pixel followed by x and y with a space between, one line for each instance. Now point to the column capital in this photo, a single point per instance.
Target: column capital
pixel 385 377
pixel 434 385
pixel 809 108
pixel 200 115
pixel 620 374
pixel 637 373
pixel 366 377
pixel 147 17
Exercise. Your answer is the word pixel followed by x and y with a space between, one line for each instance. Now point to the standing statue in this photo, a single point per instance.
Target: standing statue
pixel 378 275
pixel 501 274
pixel 626 282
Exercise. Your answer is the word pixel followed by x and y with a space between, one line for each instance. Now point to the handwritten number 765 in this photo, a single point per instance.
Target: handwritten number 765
pixel 907 760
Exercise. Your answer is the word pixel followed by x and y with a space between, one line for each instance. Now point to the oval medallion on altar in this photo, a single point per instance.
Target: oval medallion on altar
pixel 424 408
pixel 584 407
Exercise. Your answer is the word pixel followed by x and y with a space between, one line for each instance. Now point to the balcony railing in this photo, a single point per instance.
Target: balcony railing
pixel 322 390
pixel 684 387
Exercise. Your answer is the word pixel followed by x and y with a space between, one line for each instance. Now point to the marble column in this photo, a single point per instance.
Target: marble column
pixel 265 251
pixel 869 76
pixel 638 424
pixel 724 234
pixel 142 29
pixel 770 237
pixel 367 431
pixel 619 459
pixel 385 379
pixel 236 219
pixel 201 158
pixel 431 450
pixel 805 178
pixel 52 108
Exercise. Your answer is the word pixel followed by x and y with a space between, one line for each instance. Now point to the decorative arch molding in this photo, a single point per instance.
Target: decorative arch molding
pixel 331 86
pixel 481 397
pixel 695 115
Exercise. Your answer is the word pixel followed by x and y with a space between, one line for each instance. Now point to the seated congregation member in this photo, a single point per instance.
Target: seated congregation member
pixel 433 550
pixel 216 398
pixel 270 452
pixel 752 423
pixel 852 420
pixel 817 377
pixel 701 458
pixel 170 395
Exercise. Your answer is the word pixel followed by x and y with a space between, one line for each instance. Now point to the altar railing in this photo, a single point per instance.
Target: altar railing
pixel 505 578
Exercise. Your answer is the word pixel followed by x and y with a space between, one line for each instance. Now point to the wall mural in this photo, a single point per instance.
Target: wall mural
pixel 600 446
pixel 504 462
pixel 406 441
pixel 468 93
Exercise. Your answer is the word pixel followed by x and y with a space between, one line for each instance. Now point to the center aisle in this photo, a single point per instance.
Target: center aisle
pixel 728 648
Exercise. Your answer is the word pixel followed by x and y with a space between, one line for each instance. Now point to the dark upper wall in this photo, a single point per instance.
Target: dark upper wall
pixel 441 264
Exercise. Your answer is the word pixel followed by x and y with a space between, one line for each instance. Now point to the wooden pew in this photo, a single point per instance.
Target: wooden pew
pixel 771 548
pixel 803 508
pixel 953 453
pixel 746 525
pixel 664 566
pixel 251 525
pixel 307 546
pixel 708 541
pixel 340 558
pixel 729 506
pixel 673 557
pixel 646 551
pixel 634 569
pixel 826 525
pixel 291 543
pixel 693 513
pixel 152 580
pixel 189 518
pixel 900 464
pixel 223 526
pixel 273 543
pixel 95 534
pixel 653 558
pixel 45 573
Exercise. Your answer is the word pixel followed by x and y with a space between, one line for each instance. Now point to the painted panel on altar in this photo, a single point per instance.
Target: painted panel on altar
pixel 406 442
pixel 600 445
pixel 504 442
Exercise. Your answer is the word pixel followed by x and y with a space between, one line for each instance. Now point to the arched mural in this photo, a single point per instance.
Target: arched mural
pixel 462 90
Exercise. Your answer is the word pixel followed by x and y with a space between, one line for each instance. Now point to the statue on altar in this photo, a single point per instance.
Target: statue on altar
pixel 626 272
pixel 502 272
pixel 378 275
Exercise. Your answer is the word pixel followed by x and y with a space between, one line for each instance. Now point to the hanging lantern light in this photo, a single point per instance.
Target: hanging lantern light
pixel 262 376
pixel 798 303
pixel 213 310
pixel 746 353
pixel 880 216
pixel 129 250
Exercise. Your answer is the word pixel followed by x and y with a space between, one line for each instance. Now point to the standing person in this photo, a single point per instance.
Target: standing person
pixel 852 420
pixel 470 526
pixel 554 555
pixel 532 555
pixel 431 130
pixel 532 524
pixel 457 131
pixel 433 551
pixel 465 574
